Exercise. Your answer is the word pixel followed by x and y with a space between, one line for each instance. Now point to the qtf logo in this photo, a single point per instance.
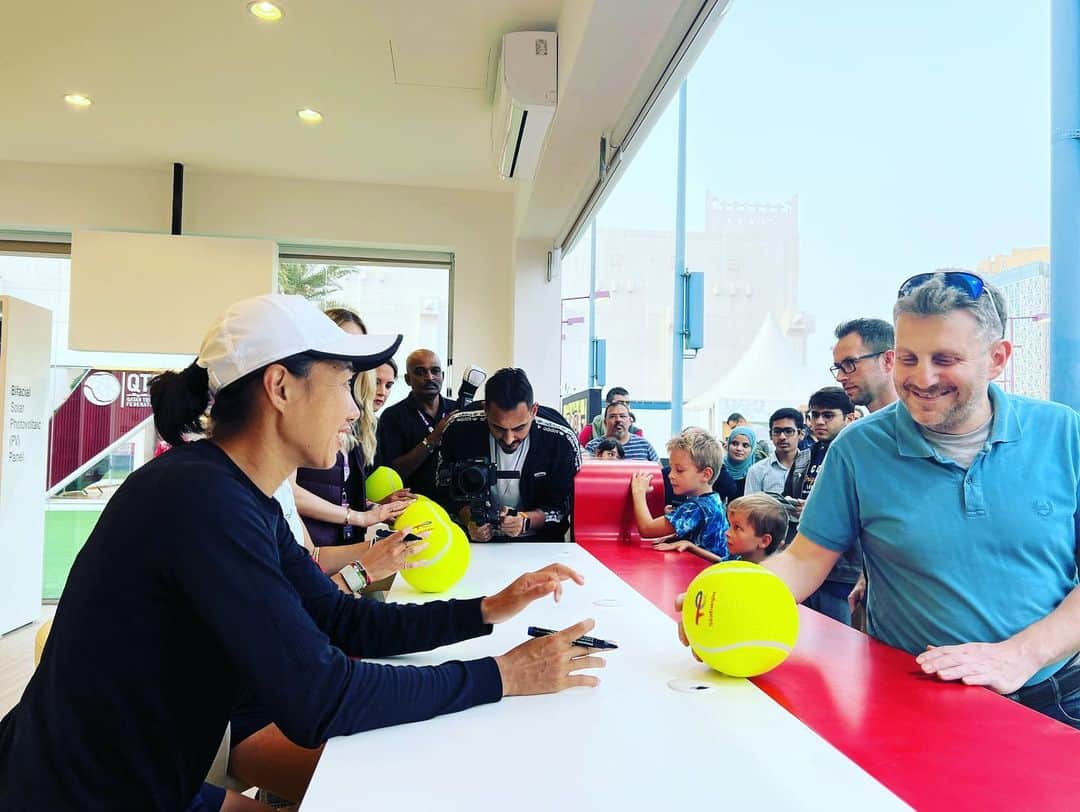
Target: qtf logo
pixel 699 607
pixel 101 388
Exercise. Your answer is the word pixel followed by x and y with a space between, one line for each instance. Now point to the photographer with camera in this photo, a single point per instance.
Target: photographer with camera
pixel 507 465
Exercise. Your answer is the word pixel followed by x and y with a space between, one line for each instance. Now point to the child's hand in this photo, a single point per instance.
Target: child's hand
pixel 678 546
pixel 641 483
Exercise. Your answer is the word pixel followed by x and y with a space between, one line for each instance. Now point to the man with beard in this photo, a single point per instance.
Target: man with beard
pixel 968 526
pixel 534 450
pixel 863 360
pixel 617 423
pixel 411 431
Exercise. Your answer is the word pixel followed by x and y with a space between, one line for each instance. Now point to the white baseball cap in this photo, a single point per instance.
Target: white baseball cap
pixel 263 329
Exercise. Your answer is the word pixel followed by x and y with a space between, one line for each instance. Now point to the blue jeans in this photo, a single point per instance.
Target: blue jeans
pixel 1058 696
pixel 831 601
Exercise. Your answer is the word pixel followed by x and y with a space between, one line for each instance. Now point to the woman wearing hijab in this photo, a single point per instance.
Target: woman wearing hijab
pixel 740 456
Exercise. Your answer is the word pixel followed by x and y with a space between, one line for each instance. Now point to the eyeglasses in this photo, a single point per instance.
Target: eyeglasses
pixel 971 285
pixel 847 366
pixel 785 432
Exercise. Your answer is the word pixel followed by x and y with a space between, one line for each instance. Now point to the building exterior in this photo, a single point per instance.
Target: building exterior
pixel 749 253
pixel 1026 288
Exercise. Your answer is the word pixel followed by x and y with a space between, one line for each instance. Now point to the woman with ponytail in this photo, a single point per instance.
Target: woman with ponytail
pixel 191 596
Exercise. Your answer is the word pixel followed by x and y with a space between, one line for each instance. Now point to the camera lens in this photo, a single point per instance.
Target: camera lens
pixel 472 479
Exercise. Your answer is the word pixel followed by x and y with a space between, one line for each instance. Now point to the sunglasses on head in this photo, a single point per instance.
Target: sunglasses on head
pixel 971 285
pixel 967 283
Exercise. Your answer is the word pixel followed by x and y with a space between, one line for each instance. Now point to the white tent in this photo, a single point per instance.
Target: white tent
pixel 767 377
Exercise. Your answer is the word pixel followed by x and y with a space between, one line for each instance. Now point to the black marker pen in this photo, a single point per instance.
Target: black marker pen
pixel 584 642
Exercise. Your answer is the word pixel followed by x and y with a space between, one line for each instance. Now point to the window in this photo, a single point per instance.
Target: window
pixel 411 299
pixel 832 151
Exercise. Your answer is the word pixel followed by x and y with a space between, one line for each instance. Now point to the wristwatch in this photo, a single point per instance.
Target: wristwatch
pixel 356 577
pixel 525 524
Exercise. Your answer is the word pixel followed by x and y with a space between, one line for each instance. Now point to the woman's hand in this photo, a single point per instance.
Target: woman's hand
pixel 525 589
pixel 387 555
pixel 547 664
pixel 385 512
pixel 404 495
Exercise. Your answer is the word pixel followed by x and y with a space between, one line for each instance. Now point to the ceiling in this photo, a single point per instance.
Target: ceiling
pixel 404 85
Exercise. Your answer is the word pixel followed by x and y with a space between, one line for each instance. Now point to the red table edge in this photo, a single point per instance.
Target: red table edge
pixel 934 747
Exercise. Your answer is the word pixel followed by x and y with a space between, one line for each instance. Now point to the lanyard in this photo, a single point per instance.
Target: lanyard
pixel 346 530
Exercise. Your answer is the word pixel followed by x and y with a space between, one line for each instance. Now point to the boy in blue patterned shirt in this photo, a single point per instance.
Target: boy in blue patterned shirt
pixel 695 457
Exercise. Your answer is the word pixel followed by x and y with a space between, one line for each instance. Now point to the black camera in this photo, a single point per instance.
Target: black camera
pixel 473 482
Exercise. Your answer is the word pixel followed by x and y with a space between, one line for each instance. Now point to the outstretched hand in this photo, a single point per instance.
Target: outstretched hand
pixel 525 589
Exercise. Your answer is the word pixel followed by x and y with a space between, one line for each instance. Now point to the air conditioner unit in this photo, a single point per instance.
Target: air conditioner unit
pixel 526 92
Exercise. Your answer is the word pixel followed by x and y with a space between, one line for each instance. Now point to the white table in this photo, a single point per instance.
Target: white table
pixel 631 743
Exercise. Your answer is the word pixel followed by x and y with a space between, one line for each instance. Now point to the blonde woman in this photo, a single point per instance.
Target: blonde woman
pixel 333 502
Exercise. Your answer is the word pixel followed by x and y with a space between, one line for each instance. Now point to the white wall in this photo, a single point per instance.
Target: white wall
pixel 537 314
pixel 475 226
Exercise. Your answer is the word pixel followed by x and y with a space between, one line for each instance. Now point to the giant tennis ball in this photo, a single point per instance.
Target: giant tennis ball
pixel 447 548
pixel 740 618
pixel 382 482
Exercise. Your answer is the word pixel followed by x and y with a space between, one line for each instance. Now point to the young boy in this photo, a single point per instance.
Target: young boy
pixel 758 526
pixel 695 458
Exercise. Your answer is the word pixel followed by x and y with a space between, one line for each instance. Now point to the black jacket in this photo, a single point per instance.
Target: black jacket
pixel 547 474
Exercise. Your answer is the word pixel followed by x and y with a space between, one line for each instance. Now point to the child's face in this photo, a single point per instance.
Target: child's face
pixel 741 538
pixel 686 477
pixel 610 454
pixel 738 447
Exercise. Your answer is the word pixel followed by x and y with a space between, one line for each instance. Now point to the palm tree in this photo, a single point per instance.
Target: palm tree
pixel 310 280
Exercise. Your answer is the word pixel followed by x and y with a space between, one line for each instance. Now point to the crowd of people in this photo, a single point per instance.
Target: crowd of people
pixel 949 517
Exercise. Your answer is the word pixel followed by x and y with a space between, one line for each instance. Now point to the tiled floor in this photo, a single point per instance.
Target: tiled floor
pixel 17 661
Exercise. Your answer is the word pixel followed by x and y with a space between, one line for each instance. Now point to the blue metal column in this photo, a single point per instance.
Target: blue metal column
pixel 1065 203
pixel 592 303
pixel 678 318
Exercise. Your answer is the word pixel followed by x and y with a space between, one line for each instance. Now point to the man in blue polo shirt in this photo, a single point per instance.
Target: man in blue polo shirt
pixel 969 527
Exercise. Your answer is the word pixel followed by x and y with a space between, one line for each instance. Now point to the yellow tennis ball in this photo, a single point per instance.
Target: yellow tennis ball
pixel 447 547
pixel 740 618
pixel 382 482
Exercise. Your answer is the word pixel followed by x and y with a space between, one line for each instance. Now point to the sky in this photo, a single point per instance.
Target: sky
pixel 916 136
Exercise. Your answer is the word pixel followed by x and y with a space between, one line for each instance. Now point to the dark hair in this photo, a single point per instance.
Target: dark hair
pixel 390 362
pixel 619 405
pixel 179 399
pixel 878 335
pixel 734 416
pixel 507 388
pixel 832 397
pixel 614 391
pixel 787 413
pixel 342 315
pixel 611 444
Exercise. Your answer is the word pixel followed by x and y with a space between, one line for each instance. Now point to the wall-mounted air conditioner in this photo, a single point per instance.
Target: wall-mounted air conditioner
pixel 526 92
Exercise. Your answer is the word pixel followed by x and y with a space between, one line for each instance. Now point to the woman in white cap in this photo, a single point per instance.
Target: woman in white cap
pixel 191 591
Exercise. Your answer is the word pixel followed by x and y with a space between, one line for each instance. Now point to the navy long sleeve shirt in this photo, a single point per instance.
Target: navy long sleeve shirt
pixel 190 591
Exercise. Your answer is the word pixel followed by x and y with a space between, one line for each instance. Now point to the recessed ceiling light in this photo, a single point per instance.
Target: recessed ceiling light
pixel 264 10
pixel 78 100
pixel 309 116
